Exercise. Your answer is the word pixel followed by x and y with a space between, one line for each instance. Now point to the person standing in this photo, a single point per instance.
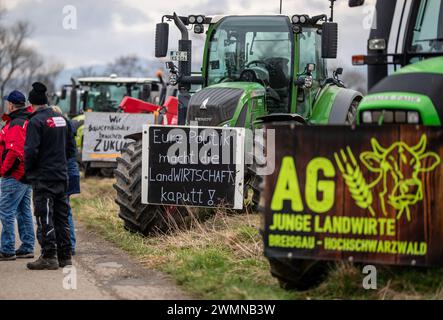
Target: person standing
pixel 73 181
pixel 48 147
pixel 15 194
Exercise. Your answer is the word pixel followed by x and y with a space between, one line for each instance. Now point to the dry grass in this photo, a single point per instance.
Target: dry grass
pixel 222 257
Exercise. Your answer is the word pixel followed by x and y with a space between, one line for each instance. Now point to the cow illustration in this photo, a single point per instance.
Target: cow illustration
pixel 400 166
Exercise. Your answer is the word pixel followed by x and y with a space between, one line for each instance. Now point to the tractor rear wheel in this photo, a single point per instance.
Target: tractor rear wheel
pixel 138 217
pixel 292 274
pixel 351 116
pixel 297 274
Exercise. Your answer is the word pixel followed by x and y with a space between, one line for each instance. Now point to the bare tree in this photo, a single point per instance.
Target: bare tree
pixel 21 65
pixel 14 54
pixel 85 72
pixel 48 74
pixel 126 66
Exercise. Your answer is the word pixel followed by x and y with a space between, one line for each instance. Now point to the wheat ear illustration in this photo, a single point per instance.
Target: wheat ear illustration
pixel 354 179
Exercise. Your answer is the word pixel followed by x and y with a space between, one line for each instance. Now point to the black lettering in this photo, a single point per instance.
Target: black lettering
pixel 97 149
pixel 115 119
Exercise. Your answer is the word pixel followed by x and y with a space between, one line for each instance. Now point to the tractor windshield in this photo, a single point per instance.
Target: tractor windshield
pixel 103 97
pixel 261 44
pixel 428 31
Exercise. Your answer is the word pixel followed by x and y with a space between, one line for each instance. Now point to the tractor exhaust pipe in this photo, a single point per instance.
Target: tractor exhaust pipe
pixel 181 26
pixel 185 71
pixel 73 99
pixel 184 45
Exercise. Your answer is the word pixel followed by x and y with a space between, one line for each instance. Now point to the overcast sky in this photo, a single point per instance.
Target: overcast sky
pixel 110 28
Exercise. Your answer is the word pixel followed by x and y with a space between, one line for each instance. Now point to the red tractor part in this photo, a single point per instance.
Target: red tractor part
pixel 171 116
pixel 168 114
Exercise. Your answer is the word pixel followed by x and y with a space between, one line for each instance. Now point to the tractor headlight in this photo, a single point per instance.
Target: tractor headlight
pixel 200 19
pixel 304 19
pixel 400 117
pixel 367 117
pixel 377 44
pixel 388 117
pixel 413 117
pixel 296 19
pixel 199 29
pixel 192 19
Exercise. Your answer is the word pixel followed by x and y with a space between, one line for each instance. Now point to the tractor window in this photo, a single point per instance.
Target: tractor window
pixel 428 31
pixel 262 46
pixel 310 52
pixel 105 98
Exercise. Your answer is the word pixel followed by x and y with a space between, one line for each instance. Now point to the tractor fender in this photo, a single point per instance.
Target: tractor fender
pixel 282 117
pixel 135 136
pixel 341 105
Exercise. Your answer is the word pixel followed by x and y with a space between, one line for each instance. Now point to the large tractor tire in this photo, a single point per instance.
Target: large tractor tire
pixel 351 116
pixel 292 274
pixel 297 274
pixel 138 217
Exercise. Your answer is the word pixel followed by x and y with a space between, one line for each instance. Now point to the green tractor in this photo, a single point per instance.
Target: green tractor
pixel 105 94
pixel 255 69
pixel 412 94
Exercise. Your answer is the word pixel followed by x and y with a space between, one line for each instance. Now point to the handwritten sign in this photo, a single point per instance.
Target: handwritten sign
pixel 193 166
pixel 104 133
pixel 370 195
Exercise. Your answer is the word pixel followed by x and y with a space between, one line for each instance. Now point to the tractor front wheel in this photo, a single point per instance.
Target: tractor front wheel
pixel 138 217
pixel 352 113
pixel 297 274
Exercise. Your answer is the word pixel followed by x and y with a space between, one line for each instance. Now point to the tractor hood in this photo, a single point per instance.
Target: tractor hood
pixel 434 65
pixel 213 106
pixel 417 87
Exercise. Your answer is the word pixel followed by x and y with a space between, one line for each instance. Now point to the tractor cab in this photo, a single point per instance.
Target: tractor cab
pixel 105 94
pixel 255 50
pixel 255 66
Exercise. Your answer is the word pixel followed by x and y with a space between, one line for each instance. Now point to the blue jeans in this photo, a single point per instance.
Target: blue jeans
pixel 15 204
pixel 72 227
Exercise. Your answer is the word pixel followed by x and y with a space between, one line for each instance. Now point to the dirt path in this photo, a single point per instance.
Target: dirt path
pixel 101 270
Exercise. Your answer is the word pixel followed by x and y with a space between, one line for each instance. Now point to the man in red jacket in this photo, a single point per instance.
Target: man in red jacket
pixel 15 194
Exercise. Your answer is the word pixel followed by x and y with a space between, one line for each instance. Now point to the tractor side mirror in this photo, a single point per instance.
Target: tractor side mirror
pixel 329 40
pixel 356 3
pixel 310 68
pixel 63 94
pixel 161 40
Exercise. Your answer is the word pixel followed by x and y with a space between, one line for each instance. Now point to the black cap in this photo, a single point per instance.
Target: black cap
pixel 37 96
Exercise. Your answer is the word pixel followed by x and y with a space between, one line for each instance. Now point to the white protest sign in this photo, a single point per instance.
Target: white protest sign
pixel 104 133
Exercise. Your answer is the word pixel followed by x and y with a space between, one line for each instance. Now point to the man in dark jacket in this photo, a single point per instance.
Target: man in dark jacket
pixel 15 194
pixel 47 148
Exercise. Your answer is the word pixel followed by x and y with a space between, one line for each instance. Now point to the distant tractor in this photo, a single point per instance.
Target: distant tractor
pixel 411 95
pixel 115 94
pixel 411 45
